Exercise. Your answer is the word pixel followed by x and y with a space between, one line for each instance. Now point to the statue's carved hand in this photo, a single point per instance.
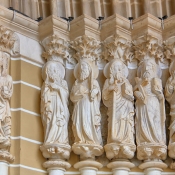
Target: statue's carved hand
pixel 94 92
pixel 139 95
pixel 113 88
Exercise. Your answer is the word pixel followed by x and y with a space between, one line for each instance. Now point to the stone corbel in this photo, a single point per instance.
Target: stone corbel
pixel 86 71
pixel 9 46
pixel 54 107
pixel 119 147
pixel 152 148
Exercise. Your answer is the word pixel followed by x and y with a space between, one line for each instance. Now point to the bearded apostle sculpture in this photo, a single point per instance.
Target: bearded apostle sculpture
pixel 150 112
pixel 86 96
pixel 54 101
pixel 118 97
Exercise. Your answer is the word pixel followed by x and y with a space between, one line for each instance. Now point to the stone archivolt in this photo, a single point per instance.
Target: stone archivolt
pixel 117 94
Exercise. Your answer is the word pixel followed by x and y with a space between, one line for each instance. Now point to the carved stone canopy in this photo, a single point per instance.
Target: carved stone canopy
pixel 56 49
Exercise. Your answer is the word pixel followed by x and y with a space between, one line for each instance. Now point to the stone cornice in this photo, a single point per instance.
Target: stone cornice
pixel 53 25
pixel 147 24
pixel 115 24
pixel 20 23
pixel 169 27
pixel 84 25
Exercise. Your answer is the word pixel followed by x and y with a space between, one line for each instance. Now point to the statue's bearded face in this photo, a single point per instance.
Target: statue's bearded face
pixel 149 70
pixel 84 71
pixel 53 73
pixel 117 71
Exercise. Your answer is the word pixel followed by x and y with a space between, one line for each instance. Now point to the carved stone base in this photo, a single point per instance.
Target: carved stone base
pixel 171 148
pixel 153 167
pixel 120 151
pixel 56 151
pixel 87 151
pixel 121 167
pixel 151 152
pixel 56 165
pixel 88 167
pixel 5 156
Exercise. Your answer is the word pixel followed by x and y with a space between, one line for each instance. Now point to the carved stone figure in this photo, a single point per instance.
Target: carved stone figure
pixel 54 106
pixel 150 112
pixel 118 97
pixel 170 97
pixel 86 97
pixel 54 101
pixel 6 87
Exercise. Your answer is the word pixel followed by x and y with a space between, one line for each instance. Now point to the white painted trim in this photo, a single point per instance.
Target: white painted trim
pixel 25 110
pixel 27 167
pixel 26 60
pixel 27 84
pixel 77 172
pixel 26 139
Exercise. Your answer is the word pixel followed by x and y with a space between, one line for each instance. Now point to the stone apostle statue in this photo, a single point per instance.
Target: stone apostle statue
pixel 170 97
pixel 118 97
pixel 54 101
pixel 6 89
pixel 150 112
pixel 86 97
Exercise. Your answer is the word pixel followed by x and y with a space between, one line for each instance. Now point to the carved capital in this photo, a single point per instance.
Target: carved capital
pixel 117 47
pixel 87 151
pixel 169 48
pixel 120 151
pixel 86 47
pixel 56 151
pixel 151 152
pixel 5 156
pixel 56 48
pixel 149 47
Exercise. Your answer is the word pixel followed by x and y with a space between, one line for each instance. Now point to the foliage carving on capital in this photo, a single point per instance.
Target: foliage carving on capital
pixel 149 47
pixel 117 47
pixel 56 48
pixel 86 47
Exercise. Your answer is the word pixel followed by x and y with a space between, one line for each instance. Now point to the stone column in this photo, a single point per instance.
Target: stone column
pixel 54 107
pixel 9 44
pixel 86 97
pixel 118 97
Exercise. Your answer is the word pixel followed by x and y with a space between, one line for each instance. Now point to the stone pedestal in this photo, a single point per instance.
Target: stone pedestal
pixel 120 167
pixel 3 168
pixel 153 167
pixel 88 167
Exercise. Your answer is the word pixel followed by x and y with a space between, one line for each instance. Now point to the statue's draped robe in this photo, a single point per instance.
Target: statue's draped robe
pixel 150 117
pixel 86 114
pixel 6 86
pixel 170 98
pixel 55 113
pixel 122 130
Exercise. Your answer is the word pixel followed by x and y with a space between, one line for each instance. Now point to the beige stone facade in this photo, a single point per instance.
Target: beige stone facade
pixel 27 133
